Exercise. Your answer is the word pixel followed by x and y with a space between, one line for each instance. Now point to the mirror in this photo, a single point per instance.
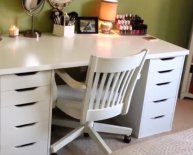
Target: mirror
pixel 32 8
pixel 59 4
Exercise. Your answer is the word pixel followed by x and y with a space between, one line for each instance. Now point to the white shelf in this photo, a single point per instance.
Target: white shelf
pixel 186 81
pixel 190 95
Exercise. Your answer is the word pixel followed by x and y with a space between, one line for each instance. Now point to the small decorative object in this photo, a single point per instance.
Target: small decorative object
pixel 13 31
pixel 64 24
pixel 32 8
pixel 87 25
pixel 63 31
pixel 59 4
pixel 130 25
pixel 107 14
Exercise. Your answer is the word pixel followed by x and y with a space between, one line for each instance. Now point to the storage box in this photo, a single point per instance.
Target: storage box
pixel 63 31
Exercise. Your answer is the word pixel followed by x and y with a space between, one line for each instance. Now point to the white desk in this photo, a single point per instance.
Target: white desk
pixel 25 114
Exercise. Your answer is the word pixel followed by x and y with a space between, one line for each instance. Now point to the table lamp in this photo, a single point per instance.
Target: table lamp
pixel 107 14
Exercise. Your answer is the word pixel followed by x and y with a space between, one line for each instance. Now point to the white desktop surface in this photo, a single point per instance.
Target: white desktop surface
pixel 23 54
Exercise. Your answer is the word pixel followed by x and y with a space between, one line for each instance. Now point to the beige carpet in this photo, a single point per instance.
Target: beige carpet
pixel 85 146
pixel 180 143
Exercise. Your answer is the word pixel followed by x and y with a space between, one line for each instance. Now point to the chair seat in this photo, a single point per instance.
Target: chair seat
pixel 70 101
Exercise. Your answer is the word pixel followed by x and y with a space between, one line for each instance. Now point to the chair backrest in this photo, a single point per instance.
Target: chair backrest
pixel 110 84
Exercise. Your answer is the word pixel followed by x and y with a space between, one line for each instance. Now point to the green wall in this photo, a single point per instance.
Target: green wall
pixel 167 19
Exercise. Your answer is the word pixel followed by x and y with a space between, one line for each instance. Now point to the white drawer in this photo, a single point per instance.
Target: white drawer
pixel 25 96
pixel 25 80
pixel 151 126
pixel 159 108
pixel 12 136
pixel 25 113
pixel 166 64
pixel 161 91
pixel 164 76
pixel 38 148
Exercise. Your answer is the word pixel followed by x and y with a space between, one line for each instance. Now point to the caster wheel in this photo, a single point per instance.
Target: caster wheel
pixel 86 135
pixel 127 139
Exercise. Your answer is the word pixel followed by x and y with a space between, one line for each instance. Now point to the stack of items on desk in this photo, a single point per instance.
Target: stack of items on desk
pixel 130 24
pixel 64 24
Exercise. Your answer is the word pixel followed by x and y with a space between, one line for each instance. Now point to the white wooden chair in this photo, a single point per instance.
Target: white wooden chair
pixel 107 93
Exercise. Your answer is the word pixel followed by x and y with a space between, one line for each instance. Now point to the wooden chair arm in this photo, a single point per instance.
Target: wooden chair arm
pixel 69 80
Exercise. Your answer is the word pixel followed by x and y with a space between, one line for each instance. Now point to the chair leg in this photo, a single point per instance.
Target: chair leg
pixel 97 138
pixel 66 139
pixel 100 127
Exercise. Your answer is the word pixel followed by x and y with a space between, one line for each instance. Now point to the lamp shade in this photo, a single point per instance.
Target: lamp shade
pixel 108 10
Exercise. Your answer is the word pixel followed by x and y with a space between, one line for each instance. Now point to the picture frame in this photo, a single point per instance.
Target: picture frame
pixel 87 25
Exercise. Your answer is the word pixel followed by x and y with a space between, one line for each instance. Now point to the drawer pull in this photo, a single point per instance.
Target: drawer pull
pixel 166 71
pixel 26 104
pixel 164 83
pixel 165 59
pixel 157 117
pixel 26 89
pixel 26 74
pixel 160 101
pixel 29 144
pixel 25 125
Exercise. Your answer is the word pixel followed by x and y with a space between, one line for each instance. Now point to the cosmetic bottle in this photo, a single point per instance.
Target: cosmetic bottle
pixel 124 29
pixel 121 29
pixel 130 30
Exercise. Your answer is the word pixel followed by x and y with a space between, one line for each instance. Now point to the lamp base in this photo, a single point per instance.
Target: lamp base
pixel 112 32
pixel 106 27
pixel 32 34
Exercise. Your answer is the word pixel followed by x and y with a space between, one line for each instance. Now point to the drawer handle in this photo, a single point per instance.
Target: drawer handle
pixel 157 101
pixel 166 71
pixel 165 59
pixel 157 117
pixel 29 144
pixel 26 104
pixel 25 125
pixel 26 74
pixel 26 89
pixel 164 83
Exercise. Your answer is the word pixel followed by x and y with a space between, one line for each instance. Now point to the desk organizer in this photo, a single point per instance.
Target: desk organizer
pixel 63 31
pixel 130 25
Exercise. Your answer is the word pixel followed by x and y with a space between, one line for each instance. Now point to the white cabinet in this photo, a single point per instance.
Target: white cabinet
pixel 186 90
pixel 25 113
pixel 154 99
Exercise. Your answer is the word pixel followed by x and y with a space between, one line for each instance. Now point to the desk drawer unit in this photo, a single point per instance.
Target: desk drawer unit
pixel 25 106
pixel 25 96
pixel 154 99
pixel 24 134
pixel 161 91
pixel 165 64
pixel 157 117
pixel 160 95
pixel 25 80
pixel 14 115
pixel 34 148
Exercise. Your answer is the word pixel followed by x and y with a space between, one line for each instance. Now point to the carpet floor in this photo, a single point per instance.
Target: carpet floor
pixel 179 143
pixel 85 146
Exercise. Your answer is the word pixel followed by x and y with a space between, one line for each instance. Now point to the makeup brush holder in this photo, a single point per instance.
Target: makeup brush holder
pixel 63 31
